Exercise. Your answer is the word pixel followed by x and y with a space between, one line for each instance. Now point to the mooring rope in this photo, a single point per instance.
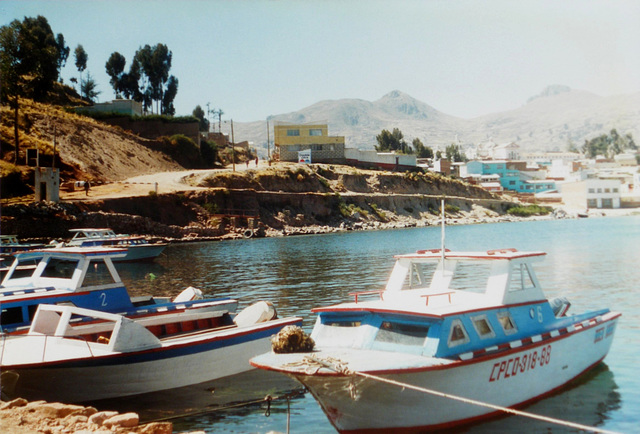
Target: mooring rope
pixel 342 369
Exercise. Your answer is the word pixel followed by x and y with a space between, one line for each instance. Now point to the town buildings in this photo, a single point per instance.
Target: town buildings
pixel 564 177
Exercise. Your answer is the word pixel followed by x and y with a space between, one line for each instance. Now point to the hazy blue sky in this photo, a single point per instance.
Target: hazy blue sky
pixel 256 58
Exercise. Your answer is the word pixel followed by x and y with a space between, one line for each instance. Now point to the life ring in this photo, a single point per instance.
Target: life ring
pixel 248 233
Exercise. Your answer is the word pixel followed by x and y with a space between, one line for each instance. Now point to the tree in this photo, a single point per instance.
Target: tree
pixel 454 154
pixel 203 122
pixel 392 141
pixel 115 69
pixel 131 80
pixel 30 59
pixel 169 95
pixel 608 145
pixel 89 88
pixel 63 51
pixel 209 152
pixel 81 60
pixel 421 150
pixel 154 65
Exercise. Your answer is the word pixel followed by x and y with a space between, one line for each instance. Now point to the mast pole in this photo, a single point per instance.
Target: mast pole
pixel 442 232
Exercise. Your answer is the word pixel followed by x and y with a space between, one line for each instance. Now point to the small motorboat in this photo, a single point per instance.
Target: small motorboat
pixel 79 276
pixel 450 331
pixel 9 244
pixel 138 247
pixel 71 354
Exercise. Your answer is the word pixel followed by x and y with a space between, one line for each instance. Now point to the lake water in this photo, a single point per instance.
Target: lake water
pixel 594 262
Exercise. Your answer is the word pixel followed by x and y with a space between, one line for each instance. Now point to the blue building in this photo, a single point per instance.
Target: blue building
pixel 514 175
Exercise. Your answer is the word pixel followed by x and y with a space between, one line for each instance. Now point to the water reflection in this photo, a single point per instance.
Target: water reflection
pixel 594 262
pixel 587 400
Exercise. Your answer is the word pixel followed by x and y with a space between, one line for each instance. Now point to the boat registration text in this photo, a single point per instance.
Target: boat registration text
pixel 520 364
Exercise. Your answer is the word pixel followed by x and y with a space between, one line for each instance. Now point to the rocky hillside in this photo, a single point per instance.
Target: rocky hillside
pixel 95 150
pixel 547 122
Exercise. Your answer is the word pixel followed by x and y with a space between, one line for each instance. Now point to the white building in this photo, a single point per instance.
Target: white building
pixel 592 193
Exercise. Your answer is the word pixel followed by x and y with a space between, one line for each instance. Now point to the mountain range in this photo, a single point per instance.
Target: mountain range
pixel 550 121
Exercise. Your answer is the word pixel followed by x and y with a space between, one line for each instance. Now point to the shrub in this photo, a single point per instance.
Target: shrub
pixel 529 210
pixel 451 208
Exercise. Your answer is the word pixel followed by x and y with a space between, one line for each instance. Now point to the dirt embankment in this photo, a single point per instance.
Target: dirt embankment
pixel 277 200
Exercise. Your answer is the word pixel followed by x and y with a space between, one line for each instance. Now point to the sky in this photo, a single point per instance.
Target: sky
pixel 257 58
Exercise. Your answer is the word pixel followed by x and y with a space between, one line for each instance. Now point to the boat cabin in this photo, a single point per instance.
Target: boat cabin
pixel 447 305
pixel 70 275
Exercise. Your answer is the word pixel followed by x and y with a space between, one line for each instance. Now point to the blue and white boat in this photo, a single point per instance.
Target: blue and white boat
pixel 9 244
pixel 77 276
pixel 138 247
pixel 72 354
pixel 83 277
pixel 450 331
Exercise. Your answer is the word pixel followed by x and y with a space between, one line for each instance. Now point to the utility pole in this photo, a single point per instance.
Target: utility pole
pixel 268 148
pixel 233 147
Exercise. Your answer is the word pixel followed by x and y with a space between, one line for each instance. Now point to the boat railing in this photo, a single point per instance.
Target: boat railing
pixel 439 294
pixel 365 293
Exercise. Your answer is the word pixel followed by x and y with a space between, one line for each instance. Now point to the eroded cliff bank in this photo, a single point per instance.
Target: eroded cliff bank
pixel 285 199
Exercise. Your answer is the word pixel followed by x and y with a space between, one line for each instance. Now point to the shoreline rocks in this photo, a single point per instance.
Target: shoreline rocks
pixel 21 417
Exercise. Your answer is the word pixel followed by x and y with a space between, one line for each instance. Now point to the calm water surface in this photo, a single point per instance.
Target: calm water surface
pixel 594 262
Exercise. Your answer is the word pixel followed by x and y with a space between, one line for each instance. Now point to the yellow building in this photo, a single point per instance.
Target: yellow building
pixel 289 139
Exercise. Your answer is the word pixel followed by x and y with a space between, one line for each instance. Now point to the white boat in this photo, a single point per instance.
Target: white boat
pixel 453 338
pixel 72 354
pixel 9 244
pixel 138 247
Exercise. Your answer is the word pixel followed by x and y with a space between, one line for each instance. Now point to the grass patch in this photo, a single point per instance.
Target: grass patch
pixel 529 210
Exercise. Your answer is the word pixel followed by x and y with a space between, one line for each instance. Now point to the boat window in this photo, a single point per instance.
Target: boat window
pixel 60 268
pixel 467 276
pixel 483 327
pixel 12 315
pixel 25 268
pixel 420 275
pixel 97 274
pixel 520 278
pixel 343 323
pixel 458 334
pixel 404 334
pixel 340 332
pixel 507 323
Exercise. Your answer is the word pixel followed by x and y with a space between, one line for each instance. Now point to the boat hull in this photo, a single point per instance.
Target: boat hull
pixel 125 374
pixel 145 252
pixel 517 377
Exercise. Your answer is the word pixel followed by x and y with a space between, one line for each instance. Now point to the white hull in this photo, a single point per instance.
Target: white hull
pixel 142 252
pixel 372 404
pixel 92 382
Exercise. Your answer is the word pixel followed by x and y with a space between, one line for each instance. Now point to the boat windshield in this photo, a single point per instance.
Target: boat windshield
pixel 97 274
pixel 471 277
pixel 60 268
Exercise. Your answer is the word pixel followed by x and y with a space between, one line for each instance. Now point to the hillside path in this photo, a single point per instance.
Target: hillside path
pixel 141 185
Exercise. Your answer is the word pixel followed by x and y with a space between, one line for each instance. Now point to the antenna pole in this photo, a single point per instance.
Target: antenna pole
pixel 442 232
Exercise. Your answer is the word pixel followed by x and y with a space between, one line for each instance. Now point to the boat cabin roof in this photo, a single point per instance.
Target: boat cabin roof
pixel 64 268
pixel 9 239
pixel 92 232
pixel 431 283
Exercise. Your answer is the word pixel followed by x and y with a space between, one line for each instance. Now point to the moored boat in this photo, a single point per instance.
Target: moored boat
pixel 83 277
pixel 9 244
pixel 474 326
pixel 72 354
pixel 138 248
